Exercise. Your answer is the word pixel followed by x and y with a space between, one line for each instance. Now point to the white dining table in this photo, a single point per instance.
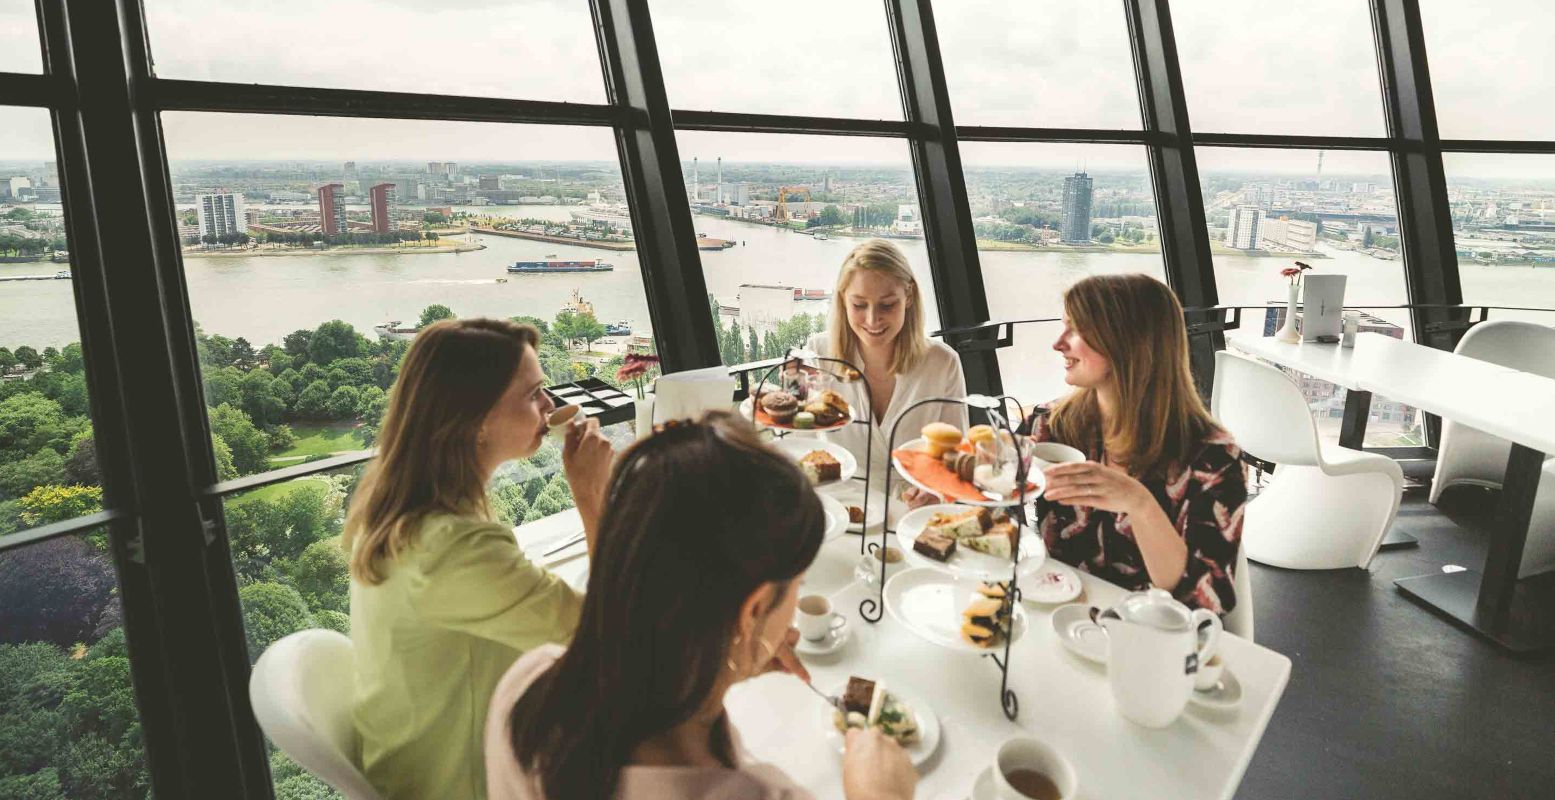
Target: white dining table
pixel 1063 700
pixel 1501 401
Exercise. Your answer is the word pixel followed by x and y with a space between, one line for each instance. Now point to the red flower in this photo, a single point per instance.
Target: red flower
pixel 635 365
pixel 1289 272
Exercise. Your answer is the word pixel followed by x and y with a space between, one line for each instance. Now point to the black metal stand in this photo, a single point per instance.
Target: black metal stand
pixel 873 608
pixel 1352 434
pixel 802 356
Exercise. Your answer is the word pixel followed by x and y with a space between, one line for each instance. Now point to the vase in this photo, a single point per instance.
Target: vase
pixel 643 421
pixel 1287 332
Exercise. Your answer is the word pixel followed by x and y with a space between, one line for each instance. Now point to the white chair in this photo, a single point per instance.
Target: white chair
pixel 302 689
pixel 1240 620
pixel 1326 506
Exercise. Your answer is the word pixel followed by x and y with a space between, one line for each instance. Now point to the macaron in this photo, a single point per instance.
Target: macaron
pixel 940 438
pixel 804 419
pixel 979 433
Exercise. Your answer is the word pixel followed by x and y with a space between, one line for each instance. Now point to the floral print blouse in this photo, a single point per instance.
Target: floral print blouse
pixel 1205 502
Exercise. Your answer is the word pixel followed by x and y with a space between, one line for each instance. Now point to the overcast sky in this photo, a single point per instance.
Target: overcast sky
pixel 1261 66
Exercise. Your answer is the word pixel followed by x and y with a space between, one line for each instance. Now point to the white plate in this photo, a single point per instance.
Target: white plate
pixel 834 641
pixel 984 788
pixel 852 494
pixel 929 602
pixel 928 723
pixel 966 560
pixel 747 410
pixel 797 448
pixel 1035 478
pixel 836 516
pixel 1055 582
pixel 1079 634
pixel 1226 695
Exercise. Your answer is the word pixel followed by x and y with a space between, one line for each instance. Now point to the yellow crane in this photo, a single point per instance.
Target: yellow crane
pixel 781 213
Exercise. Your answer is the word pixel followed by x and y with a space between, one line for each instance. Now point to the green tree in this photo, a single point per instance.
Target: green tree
pixel 44 467
pixel 332 340
pixel 223 386
pixel 435 312
pixel 282 438
pixel 70 359
pixel 250 446
pixel 343 403
pixel 259 400
pixel 313 401
pixel 270 612
pixel 28 357
pixel 47 504
pixel 296 345
pixel 28 422
pixel 222 453
pixel 321 577
pixel 81 465
pixel 8 360
pixel 40 785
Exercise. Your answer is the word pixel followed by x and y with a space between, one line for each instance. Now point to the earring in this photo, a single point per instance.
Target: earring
pixel 730 660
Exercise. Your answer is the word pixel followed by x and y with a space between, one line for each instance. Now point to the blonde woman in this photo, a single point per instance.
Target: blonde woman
pixel 442 599
pixel 877 324
pixel 1159 501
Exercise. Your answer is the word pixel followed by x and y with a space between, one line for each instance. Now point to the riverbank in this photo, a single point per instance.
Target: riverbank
pixel 540 237
pixel 338 250
pixel 1026 247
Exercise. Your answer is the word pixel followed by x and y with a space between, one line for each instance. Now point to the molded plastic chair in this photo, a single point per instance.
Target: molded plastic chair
pixel 1240 620
pixel 302 689
pixel 1327 506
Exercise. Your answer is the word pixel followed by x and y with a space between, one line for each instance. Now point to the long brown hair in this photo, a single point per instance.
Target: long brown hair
pixel 697 518
pixel 879 256
pixel 1135 322
pixel 453 375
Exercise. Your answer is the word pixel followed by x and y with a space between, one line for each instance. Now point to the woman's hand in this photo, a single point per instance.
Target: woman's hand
pixel 586 455
pixel 875 767
pixel 785 660
pixel 917 498
pixel 1087 483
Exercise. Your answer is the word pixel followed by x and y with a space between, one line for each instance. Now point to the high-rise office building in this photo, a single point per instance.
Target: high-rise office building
pixel 220 213
pixel 383 197
pixel 1075 225
pixel 1242 231
pixel 491 182
pixel 1287 234
pixel 332 209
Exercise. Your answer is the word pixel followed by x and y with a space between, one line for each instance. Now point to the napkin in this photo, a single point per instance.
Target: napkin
pixel 686 395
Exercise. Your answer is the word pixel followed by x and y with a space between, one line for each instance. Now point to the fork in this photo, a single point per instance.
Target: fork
pixel 833 700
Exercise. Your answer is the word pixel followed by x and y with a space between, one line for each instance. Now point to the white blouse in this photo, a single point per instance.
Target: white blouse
pixel 938 374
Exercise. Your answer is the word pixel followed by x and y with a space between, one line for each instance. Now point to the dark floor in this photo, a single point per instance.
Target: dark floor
pixel 1386 699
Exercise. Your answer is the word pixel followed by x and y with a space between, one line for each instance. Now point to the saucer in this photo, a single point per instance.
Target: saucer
pixel 1054 582
pixel 1079 634
pixel 983 788
pixel 834 641
pixel 1226 695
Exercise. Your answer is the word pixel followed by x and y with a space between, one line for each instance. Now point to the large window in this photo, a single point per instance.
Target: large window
pixel 1503 225
pixel 1047 215
pixel 1490 67
pixel 771 267
pixel 1047 64
pixel 19 37
pixel 533 49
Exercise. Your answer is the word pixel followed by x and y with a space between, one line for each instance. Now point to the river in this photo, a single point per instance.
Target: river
pixel 264 298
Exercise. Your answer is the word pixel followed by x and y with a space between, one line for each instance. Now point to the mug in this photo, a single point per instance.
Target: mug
pixel 816 620
pixel 1019 758
pixel 1046 454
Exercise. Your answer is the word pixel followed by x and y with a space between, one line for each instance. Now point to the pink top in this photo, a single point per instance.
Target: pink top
pixel 507 780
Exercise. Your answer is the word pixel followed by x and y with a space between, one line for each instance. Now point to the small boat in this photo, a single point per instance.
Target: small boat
pixel 395 331
pixel 554 265
pixel 622 328
pixel 63 275
pixel 708 243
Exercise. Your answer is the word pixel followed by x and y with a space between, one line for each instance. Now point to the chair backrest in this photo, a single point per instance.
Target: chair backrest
pixel 1264 411
pixel 302 690
pixel 1240 620
pixel 1525 346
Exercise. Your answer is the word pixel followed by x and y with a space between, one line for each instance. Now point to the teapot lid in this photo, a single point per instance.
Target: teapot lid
pixel 1155 608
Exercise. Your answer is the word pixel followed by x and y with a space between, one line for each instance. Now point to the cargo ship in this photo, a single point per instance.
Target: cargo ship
pixel 555 265
pixel 705 242
pixel 622 328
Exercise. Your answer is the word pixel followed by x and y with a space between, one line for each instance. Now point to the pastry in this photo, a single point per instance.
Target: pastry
pixel 935 546
pixel 858 695
pixel 962 464
pixel 820 466
pixel 804 419
pixel 867 704
pixel 780 406
pixel 994 589
pixel 955 526
pixel 979 433
pixel 855 515
pixel 994 544
pixel 940 438
pixel 986 620
pixel 828 407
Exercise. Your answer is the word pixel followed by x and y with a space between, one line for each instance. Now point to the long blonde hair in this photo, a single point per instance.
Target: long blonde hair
pixel 879 256
pixel 454 373
pixel 1135 322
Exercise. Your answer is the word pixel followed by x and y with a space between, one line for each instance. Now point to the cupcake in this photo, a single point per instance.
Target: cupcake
pixel 780 406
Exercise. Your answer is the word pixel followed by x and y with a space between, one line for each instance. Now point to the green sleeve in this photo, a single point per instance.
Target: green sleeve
pixel 475 579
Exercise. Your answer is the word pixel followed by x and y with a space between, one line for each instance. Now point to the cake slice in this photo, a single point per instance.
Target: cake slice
pixel 858 695
pixel 820 466
pixel 994 544
pixel 935 546
pixel 957 526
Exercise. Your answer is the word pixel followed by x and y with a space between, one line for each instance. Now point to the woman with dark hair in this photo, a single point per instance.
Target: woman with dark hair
pixel 442 599
pixel 704 536
pixel 1159 500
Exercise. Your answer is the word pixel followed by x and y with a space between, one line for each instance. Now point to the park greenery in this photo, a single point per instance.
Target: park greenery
pixel 68 722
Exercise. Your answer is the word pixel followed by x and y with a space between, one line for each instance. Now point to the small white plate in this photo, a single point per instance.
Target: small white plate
pixel 1036 482
pixel 1079 634
pixel 1055 582
pixel 747 411
pixel 836 517
pixel 1226 695
pixel 835 639
pixel 851 493
pixel 984 788
pixel 928 723
pixel 965 560
pixel 797 448
pixel 929 602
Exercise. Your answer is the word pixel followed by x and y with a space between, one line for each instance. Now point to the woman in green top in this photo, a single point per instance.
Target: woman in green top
pixel 442 599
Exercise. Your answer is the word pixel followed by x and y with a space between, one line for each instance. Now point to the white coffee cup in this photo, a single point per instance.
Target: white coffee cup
pixel 1024 753
pixel 1209 673
pixel 1046 454
pixel 561 419
pixel 815 619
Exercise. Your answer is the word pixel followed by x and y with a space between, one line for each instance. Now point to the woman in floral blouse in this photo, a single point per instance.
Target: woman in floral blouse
pixel 1159 501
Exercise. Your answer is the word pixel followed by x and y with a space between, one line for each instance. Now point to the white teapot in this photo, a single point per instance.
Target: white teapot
pixel 1154 648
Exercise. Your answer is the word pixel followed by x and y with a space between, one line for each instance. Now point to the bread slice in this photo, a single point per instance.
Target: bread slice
pixel 994 544
pixel 820 466
pixel 957 526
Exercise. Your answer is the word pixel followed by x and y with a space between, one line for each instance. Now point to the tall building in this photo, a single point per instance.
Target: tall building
pixel 20 187
pixel 383 196
pixel 332 209
pixel 220 213
pixel 1242 231
pixel 1287 234
pixel 437 168
pixel 489 182
pixel 1075 225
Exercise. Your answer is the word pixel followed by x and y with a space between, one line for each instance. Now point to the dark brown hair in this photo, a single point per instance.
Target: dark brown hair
pixel 1135 322
pixel 697 518
pixel 452 376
